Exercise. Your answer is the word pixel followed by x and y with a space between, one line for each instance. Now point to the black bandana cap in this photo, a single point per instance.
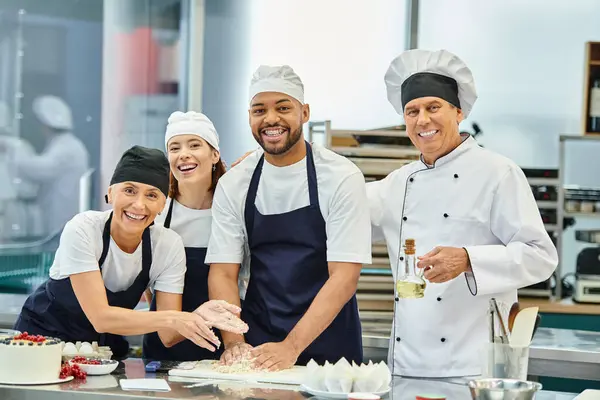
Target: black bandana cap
pixel 427 84
pixel 143 165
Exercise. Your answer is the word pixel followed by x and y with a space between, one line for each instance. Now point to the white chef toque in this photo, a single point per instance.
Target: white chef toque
pixel 280 79
pixel 422 73
pixel 192 123
pixel 53 112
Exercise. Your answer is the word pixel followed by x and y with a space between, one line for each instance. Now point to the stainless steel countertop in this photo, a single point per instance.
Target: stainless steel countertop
pixel 97 387
pixel 562 353
pixel 547 344
pixel 554 352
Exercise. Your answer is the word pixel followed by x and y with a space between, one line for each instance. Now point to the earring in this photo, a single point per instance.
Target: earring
pixel 214 167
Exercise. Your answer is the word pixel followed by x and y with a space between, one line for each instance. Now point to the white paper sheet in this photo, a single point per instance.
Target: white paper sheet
pixel 155 385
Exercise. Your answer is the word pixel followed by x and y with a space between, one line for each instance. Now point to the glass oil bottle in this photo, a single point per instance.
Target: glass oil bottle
pixel 410 283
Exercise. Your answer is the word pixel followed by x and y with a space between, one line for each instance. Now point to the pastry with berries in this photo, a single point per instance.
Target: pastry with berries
pixel 26 358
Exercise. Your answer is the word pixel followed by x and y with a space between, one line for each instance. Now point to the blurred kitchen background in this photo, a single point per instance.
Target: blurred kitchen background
pixel 122 66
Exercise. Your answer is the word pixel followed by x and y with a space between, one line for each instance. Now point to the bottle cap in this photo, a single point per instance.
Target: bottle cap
pixel 410 246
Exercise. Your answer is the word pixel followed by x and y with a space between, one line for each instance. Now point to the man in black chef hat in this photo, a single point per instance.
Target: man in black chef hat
pixel 471 212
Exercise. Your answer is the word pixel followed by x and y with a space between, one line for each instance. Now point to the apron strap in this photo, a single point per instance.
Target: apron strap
pixel 313 192
pixel 146 246
pixel 167 223
pixel 105 241
pixel 251 197
pixel 146 252
pixel 311 172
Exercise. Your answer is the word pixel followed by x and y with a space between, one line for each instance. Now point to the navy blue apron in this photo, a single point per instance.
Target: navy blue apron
pixel 288 268
pixel 53 309
pixel 195 293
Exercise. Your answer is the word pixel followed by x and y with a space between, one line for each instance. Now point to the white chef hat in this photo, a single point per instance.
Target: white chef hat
pixel 281 79
pixel 5 119
pixel 192 123
pixel 421 73
pixel 53 112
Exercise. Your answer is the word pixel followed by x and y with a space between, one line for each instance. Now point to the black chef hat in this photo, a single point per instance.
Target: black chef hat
pixel 143 165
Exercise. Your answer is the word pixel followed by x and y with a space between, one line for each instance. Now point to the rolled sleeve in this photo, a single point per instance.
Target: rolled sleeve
pixel 76 253
pixel 527 255
pixel 227 238
pixel 348 223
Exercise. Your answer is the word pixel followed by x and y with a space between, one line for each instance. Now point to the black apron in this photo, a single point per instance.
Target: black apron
pixel 53 309
pixel 195 293
pixel 288 268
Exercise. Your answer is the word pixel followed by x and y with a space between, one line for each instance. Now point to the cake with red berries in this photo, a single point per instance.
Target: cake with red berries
pixel 28 358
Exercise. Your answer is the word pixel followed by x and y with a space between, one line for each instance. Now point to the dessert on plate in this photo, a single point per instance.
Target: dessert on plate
pixel 28 358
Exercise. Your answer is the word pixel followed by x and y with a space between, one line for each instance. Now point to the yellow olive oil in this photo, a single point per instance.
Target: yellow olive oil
pixel 410 290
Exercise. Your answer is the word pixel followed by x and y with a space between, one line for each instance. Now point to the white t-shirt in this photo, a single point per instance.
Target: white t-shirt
pixel 342 199
pixel 81 247
pixel 194 227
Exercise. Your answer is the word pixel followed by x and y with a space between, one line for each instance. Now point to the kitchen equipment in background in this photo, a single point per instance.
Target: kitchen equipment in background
pixel 544 183
pixel 511 330
pixel 580 199
pixel 587 275
pixel 376 152
pixel 591 89
pixel 590 236
pixel 544 192
pixel 541 173
pixel 503 389
pixel 586 288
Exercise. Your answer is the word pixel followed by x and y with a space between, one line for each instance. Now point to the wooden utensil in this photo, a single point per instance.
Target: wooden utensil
pixel 512 314
pixel 514 310
pixel 524 327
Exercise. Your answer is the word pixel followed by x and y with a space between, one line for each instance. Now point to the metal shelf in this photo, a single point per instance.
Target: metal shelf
pixel 560 211
pixel 547 204
pixel 376 159
pixel 373 152
pixel 582 214
pixel 543 181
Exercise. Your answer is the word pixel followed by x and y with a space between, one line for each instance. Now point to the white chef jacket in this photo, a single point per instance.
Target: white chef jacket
pixel 470 198
pixel 58 170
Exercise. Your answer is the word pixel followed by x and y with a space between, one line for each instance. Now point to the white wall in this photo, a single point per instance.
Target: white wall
pixel 340 48
pixel 528 62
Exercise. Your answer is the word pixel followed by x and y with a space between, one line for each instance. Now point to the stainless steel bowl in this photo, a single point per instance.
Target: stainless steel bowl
pixel 503 389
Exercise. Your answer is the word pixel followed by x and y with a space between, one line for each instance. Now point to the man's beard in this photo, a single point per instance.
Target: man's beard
pixel 291 140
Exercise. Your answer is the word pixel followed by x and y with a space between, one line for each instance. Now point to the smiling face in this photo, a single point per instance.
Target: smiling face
pixel 432 126
pixel 191 159
pixel 135 205
pixel 276 121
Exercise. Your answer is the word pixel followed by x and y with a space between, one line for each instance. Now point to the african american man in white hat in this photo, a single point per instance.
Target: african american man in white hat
pixel 300 211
